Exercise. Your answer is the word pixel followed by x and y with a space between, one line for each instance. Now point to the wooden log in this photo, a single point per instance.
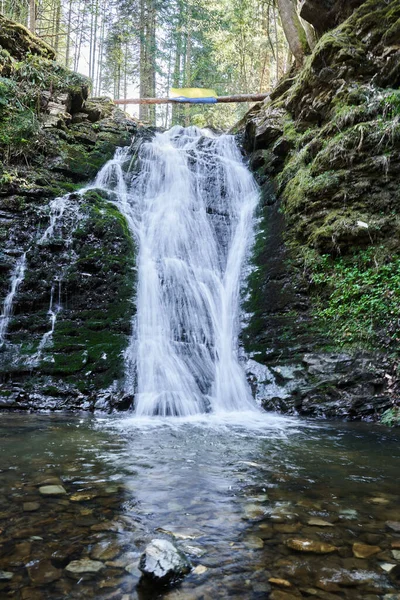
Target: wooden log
pixel 238 98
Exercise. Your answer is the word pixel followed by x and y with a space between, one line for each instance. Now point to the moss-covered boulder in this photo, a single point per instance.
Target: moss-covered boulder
pixel 19 41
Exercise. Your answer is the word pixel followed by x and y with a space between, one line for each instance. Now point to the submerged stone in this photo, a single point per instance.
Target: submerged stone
pixel 253 542
pixel 364 550
pixel 280 582
pixel 84 568
pixel 378 500
pixel 52 490
pixel 253 511
pixel 200 570
pixel 30 506
pixel 162 561
pixel 43 572
pixel 310 546
pixel 6 575
pixel 83 497
pixel 317 522
pixel 393 525
pixel 179 534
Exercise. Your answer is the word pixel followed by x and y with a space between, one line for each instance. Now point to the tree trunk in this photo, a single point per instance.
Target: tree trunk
pixel 143 111
pixel 176 76
pixel 188 74
pixel 57 27
pixel 68 41
pixel 294 31
pixel 32 15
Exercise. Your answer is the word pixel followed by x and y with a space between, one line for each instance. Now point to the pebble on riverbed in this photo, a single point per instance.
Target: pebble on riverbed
pixel 30 506
pixel 364 550
pixel 163 562
pixel 52 490
pixel 310 546
pixel 84 568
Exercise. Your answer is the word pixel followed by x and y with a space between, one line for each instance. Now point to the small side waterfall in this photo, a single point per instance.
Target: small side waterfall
pixel 190 209
pixel 17 277
pixel 57 208
pixel 53 312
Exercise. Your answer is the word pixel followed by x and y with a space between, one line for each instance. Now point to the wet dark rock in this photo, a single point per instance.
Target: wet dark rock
pixel 43 572
pixel 30 506
pixel 280 595
pixel 327 14
pixel 163 562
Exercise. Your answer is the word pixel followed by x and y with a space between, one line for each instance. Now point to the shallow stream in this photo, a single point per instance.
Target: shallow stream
pixel 232 492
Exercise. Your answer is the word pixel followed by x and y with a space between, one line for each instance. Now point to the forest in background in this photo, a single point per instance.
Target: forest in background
pixel 144 47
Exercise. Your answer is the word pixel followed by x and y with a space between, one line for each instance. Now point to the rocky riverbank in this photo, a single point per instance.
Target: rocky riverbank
pixel 323 299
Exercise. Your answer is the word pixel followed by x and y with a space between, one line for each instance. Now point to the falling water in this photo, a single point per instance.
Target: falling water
pixel 190 209
pixel 52 314
pixel 17 277
pixel 57 208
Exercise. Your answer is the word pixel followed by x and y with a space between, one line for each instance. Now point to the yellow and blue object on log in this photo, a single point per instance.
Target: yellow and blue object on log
pixel 193 95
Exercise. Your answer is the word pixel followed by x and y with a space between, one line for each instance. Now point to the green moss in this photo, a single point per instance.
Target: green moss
pixel 92 333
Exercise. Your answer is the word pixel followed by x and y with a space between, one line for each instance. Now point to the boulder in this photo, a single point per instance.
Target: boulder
pixel 163 562
pixel 19 41
pixel 326 14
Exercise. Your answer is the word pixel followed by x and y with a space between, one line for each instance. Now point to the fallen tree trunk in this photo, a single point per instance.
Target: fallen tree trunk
pixel 238 98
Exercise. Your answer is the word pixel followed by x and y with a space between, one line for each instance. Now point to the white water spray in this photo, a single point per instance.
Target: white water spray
pixel 190 210
pixel 17 277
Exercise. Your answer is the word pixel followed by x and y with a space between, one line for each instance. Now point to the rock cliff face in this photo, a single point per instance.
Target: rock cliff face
pixel 78 252
pixel 324 297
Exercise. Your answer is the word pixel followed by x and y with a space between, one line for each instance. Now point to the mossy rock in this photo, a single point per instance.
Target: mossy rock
pixel 19 41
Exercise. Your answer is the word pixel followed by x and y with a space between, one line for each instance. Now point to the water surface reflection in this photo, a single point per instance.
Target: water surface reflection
pixel 235 492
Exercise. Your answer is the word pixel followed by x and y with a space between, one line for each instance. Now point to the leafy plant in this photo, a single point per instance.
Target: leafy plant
pixel 358 295
pixel 391 417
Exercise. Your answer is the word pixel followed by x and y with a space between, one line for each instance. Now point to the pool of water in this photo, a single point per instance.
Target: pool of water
pixel 242 495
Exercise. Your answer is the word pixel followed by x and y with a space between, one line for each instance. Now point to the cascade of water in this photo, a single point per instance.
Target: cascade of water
pixel 57 208
pixel 190 209
pixel 52 313
pixel 17 277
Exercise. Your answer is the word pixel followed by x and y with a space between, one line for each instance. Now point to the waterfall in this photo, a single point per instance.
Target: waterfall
pixel 190 209
pixel 52 314
pixel 57 209
pixel 17 277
